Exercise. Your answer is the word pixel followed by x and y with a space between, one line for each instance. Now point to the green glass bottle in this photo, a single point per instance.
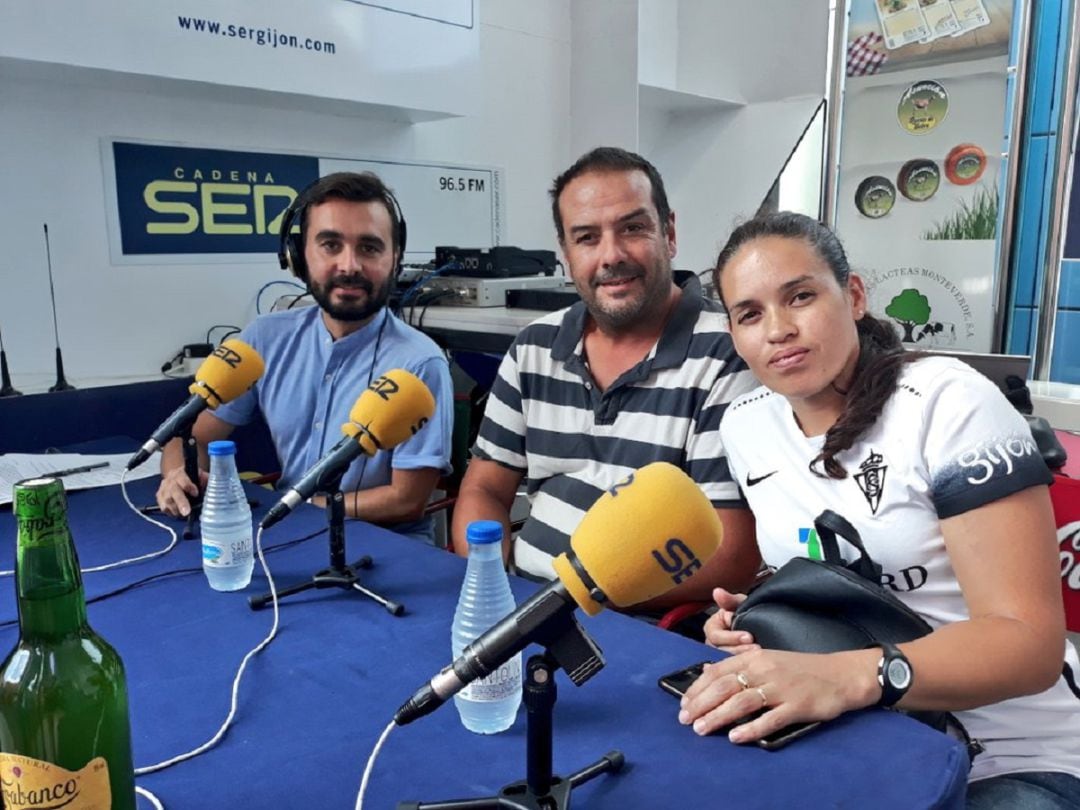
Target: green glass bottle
pixel 65 738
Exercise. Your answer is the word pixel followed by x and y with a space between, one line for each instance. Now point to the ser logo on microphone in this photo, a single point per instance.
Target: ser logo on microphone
pixel 386 388
pixel 230 357
pixel 623 484
pixel 680 561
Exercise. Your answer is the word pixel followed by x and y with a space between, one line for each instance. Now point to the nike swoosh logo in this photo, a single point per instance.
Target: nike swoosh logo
pixel 751 482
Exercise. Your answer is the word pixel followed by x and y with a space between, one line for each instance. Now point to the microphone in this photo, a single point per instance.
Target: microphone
pixel 229 371
pixel 61 383
pixel 641 538
pixel 392 408
pixel 6 388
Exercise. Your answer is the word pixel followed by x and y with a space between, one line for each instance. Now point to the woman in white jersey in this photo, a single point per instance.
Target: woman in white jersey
pixel 940 476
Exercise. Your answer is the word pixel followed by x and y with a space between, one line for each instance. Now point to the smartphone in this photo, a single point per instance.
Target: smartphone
pixel 676 683
pixel 778 739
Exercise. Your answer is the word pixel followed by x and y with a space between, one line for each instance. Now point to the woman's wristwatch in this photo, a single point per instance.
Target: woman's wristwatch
pixel 894 674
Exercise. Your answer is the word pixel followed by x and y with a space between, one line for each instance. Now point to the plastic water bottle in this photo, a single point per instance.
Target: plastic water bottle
pixel 486 706
pixel 226 523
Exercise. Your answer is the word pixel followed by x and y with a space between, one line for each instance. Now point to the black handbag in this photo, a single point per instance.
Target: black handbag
pixel 827 606
pixel 830 606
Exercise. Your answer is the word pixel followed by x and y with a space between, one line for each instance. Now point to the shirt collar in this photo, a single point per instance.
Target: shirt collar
pixel 674 343
pixel 362 335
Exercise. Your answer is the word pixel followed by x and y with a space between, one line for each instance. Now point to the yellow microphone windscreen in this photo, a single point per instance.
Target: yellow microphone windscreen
pixel 227 373
pixel 393 408
pixel 641 538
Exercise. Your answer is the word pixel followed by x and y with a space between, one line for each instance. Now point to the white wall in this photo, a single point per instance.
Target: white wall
pixel 556 78
pixel 604 86
pixel 766 58
pixel 800 182
pixel 658 25
pixel 266 44
pixel 719 168
pixel 127 320
pixel 759 50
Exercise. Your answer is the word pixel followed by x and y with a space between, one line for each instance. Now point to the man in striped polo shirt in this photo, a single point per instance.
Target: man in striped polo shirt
pixel 640 370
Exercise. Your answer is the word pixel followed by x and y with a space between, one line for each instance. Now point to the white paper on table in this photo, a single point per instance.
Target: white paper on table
pixel 15 467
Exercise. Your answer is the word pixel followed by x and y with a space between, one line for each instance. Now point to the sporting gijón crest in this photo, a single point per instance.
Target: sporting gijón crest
pixel 871 479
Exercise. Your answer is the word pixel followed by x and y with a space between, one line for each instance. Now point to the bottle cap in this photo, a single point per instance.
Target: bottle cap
pixel 40 507
pixel 482 532
pixel 223 448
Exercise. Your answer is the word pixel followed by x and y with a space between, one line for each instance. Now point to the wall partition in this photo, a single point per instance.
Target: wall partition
pixel 1054 319
pixel 923 178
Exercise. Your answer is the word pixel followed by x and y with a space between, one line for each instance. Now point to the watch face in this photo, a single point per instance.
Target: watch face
pixel 899 674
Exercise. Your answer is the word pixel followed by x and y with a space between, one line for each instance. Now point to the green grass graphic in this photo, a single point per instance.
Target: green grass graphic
pixel 976 219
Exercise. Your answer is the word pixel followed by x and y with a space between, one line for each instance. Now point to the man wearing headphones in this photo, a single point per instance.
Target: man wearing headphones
pixel 320 359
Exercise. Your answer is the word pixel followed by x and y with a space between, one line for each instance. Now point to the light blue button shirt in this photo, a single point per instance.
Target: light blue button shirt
pixel 312 381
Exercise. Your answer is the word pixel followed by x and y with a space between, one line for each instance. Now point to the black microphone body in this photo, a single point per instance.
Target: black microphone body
pixel 181 418
pixel 546 618
pixel 61 381
pixel 327 470
pixel 6 388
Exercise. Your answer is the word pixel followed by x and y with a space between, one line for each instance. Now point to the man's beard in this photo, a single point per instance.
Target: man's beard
pixel 617 316
pixel 351 311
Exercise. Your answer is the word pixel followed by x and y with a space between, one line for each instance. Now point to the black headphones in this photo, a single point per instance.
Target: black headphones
pixel 291 246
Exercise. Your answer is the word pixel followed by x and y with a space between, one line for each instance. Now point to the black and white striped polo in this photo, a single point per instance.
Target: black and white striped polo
pixel 546 419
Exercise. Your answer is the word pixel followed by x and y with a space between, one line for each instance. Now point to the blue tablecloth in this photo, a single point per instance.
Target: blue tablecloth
pixel 313 704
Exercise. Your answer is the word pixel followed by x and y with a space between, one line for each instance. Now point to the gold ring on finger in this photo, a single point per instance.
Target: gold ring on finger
pixel 741 678
pixel 764 699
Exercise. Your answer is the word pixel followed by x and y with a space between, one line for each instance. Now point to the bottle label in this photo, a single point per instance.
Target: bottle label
pixel 41 513
pixel 218 554
pixel 503 683
pixel 30 784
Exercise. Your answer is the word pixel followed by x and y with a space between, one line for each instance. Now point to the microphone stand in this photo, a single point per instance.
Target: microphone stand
pixel 339 574
pixel 61 383
pixel 191 469
pixel 6 388
pixel 540 790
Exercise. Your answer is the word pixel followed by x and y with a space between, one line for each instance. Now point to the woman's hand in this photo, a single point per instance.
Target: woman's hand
pixel 718 632
pixel 762 691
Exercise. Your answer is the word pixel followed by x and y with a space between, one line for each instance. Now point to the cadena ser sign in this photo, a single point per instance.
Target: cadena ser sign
pixel 185 205
pixel 179 200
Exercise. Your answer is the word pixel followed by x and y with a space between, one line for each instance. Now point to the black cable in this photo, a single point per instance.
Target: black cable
pixel 233 330
pixel 440 294
pixel 264 287
pixel 178 572
pixel 175 360
pixel 130 586
pixel 296 300
pixel 414 288
pixel 370 377
pixel 412 307
pixel 424 299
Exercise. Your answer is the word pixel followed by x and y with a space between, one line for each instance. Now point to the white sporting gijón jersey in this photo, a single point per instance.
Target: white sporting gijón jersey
pixel 947 442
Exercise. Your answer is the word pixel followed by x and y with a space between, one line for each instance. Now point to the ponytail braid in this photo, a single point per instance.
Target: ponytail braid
pixel 881 359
